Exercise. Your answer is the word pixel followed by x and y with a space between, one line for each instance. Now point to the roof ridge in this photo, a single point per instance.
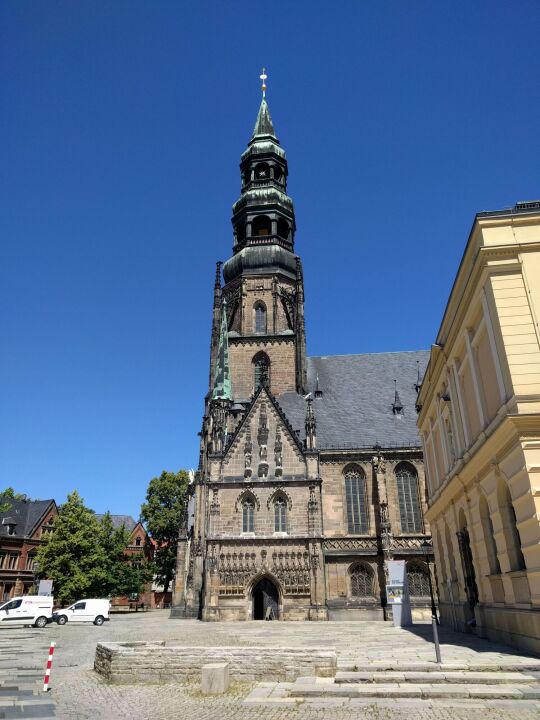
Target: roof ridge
pixel 384 352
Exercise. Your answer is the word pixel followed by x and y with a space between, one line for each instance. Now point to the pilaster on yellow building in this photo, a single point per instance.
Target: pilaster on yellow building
pixel 479 419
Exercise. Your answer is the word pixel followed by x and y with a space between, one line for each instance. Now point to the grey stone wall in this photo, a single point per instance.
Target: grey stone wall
pixel 152 662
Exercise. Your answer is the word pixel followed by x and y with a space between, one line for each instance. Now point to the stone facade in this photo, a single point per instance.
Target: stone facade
pixel 311 475
pixel 480 425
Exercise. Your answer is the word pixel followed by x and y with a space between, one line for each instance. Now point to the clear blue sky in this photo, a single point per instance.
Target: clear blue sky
pixel 122 125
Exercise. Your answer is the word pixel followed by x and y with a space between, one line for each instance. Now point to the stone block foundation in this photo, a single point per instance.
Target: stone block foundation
pixel 151 662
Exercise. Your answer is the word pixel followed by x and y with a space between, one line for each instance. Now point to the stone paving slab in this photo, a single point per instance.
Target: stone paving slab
pixel 80 695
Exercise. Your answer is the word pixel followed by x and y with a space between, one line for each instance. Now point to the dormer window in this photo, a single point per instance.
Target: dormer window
pixel 10 524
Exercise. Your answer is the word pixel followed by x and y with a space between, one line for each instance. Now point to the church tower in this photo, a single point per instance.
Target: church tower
pixel 287 440
pixel 263 284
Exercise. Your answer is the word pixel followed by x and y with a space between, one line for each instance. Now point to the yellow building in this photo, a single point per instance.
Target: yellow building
pixel 479 419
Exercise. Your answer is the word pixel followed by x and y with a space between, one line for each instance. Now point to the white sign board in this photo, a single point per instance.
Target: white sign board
pixel 45 587
pixel 396 572
pixel 397 593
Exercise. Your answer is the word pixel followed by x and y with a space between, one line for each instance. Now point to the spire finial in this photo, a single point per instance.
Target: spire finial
pixel 264 78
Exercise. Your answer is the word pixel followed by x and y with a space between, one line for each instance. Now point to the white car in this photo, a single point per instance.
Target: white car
pixel 88 610
pixel 34 610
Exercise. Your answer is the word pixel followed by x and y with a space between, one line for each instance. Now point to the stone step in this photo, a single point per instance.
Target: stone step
pixel 409 690
pixel 436 676
pixel 392 665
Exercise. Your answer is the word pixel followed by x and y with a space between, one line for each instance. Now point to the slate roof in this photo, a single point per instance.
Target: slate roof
pixel 355 410
pixel 26 514
pixel 118 520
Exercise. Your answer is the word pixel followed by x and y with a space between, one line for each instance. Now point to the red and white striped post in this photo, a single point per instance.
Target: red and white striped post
pixel 48 668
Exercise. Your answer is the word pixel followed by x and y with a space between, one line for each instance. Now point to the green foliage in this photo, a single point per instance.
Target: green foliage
pixel 7 495
pixel 85 558
pixel 73 557
pixel 122 575
pixel 163 513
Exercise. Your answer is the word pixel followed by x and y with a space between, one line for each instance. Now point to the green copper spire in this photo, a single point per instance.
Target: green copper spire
pixel 222 379
pixel 263 124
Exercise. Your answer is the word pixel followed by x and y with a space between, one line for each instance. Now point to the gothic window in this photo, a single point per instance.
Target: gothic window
pixel 357 510
pixel 261 365
pixel 418 580
pixel 261 225
pixel 260 318
pixel 361 581
pixel 280 515
pixel 138 541
pixel 248 515
pixel 409 501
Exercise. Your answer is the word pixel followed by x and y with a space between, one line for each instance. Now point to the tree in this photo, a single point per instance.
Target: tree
pixel 73 556
pixel 122 575
pixel 163 512
pixel 7 495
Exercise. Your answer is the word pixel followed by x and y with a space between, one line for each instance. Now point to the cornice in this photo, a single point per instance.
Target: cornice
pixel 244 540
pixel 258 339
pixel 252 484
pixel 366 454
pixel 450 330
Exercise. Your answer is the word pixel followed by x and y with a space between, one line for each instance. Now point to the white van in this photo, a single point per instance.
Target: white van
pixel 88 610
pixel 27 610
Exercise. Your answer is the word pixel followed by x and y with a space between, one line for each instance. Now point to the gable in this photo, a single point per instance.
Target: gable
pixel 138 531
pixel 264 446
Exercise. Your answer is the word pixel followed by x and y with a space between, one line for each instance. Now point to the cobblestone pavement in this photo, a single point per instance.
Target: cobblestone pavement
pixel 79 694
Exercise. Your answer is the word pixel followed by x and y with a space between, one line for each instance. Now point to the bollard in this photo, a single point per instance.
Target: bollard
pixel 48 668
pixel 436 639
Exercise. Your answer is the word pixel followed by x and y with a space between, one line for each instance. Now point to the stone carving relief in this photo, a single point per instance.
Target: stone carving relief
pixel 293 570
pixel 214 505
pixel 351 544
pixel 278 454
pixel 379 464
pixel 237 569
pixel 248 454
pixel 262 439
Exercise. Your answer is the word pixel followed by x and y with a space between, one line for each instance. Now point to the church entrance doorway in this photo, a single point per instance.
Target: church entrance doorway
pixel 265 600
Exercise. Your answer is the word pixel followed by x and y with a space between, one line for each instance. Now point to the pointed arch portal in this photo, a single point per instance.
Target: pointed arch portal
pixel 265 600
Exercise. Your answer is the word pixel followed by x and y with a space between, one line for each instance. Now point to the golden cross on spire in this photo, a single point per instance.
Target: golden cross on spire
pixel 264 78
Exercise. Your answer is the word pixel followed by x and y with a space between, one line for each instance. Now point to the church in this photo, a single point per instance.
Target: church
pixel 311 475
